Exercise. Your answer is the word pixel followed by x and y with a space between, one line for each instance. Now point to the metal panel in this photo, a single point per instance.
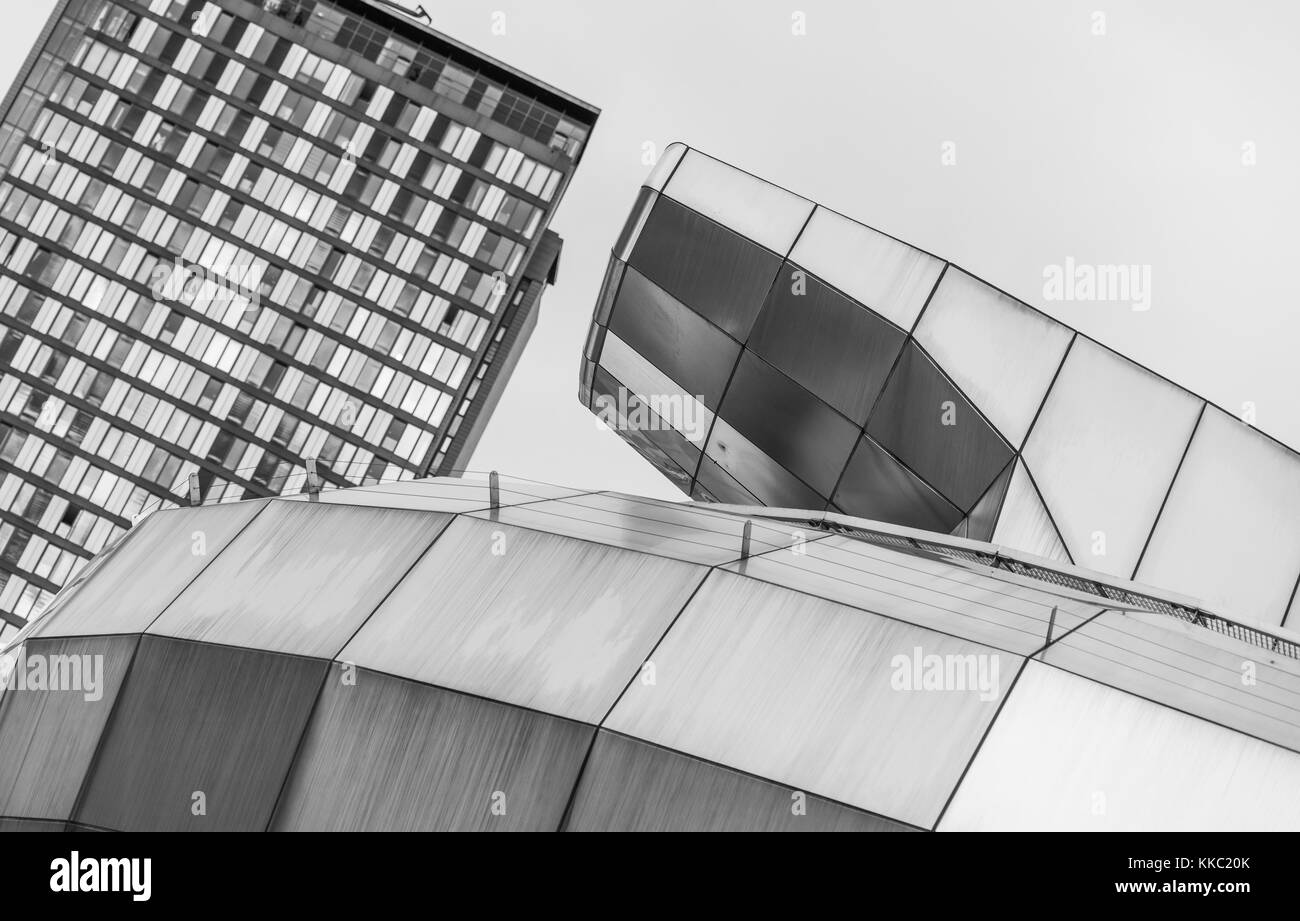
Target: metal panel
pixel 1190 668
pixel 758 473
pixel 1024 523
pixel 645 200
pixel 195 719
pixel 924 421
pixel 1001 353
pixel 713 270
pixel 825 342
pixel 137 578
pixel 1104 452
pixel 28 825
pixel 608 291
pixel 788 424
pixel 48 735
pixel 665 397
pixel 977 603
pixel 890 277
pixel 673 338
pixel 631 786
pixel 713 484
pixel 302 578
pixel 665 165
pixel 1233 483
pixel 1067 753
pixel 765 213
pixel 545 622
pixel 653 438
pixel 393 755
pixel 876 486
pixel 678 530
pixel 984 516
pixel 802 691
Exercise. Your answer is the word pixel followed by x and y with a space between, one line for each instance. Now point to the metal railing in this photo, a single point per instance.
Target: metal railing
pixel 1142 601
pixel 312 480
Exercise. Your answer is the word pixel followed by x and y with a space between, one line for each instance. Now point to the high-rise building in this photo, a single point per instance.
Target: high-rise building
pixel 446 655
pixel 761 349
pixel 237 235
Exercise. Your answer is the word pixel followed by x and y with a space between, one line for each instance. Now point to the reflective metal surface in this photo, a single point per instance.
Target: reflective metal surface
pixel 393 755
pixel 657 665
pixel 1001 353
pixel 1104 452
pixel 50 734
pixel 1070 754
pixel 544 622
pixel 1228 533
pixel 301 578
pixel 153 564
pixel 677 793
pixel 199 719
pixel 799 349
pixel 786 686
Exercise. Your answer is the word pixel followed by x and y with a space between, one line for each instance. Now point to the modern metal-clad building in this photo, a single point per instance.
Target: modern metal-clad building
pixel 235 235
pixel 761 349
pixel 453 654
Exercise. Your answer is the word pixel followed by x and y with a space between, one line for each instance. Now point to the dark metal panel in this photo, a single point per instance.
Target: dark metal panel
pixel 633 786
pixel 826 342
pixel 392 755
pixel 48 737
pixel 772 483
pixel 713 484
pixel 924 421
pixel 673 338
pixel 719 273
pixel 878 487
pixel 984 516
pixel 636 218
pixel 28 825
pixel 195 718
pixel 788 424
pixel 670 453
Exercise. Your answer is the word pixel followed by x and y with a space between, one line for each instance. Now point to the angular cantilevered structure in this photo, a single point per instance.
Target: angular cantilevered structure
pixel 455 654
pixel 762 349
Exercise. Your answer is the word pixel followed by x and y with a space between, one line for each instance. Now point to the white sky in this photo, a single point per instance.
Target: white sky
pixel 1124 148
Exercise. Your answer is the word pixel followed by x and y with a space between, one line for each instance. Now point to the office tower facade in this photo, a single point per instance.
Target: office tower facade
pixel 445 655
pixel 764 350
pixel 237 235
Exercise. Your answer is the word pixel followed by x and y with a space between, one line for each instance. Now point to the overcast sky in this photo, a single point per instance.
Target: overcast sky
pixel 1117 148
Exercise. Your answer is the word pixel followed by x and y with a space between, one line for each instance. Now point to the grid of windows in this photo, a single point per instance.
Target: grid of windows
pixel 424 65
pixel 221 253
